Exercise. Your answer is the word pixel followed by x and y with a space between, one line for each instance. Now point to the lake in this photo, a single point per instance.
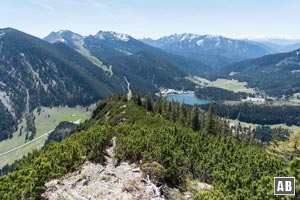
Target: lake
pixel 190 99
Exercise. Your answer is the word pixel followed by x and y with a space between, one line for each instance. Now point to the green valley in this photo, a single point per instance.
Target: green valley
pixel 46 120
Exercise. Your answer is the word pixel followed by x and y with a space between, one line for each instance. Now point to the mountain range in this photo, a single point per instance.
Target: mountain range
pixel 66 68
pixel 215 51
pixel 75 70
pixel 107 46
pixel 278 45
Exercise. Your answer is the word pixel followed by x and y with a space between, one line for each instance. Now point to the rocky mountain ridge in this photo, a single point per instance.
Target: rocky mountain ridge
pixel 213 50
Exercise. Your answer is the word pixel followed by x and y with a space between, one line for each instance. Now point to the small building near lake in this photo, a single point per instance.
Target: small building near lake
pixel 253 99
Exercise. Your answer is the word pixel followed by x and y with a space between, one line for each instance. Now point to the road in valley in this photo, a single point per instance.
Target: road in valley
pixel 44 135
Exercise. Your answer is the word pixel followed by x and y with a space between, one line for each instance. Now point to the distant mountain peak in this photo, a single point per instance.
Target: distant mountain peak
pixel 112 35
pixel 63 36
pixel 67 32
pixel 6 29
pixel 60 32
pixel 188 36
pixel 210 36
pixel 194 39
pixel 3 31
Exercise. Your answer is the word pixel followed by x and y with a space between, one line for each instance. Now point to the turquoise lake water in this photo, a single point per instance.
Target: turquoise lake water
pixel 187 99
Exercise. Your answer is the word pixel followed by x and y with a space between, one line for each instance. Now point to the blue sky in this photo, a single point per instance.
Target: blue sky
pixel 155 18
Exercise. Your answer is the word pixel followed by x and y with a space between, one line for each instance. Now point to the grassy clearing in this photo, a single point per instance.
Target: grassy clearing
pixel 294 99
pixel 83 51
pixel 244 124
pixel 99 64
pixel 47 120
pixel 198 80
pixel 232 85
pixel 19 153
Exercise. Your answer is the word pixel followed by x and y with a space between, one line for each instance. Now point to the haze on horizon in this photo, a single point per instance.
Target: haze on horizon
pixel 156 18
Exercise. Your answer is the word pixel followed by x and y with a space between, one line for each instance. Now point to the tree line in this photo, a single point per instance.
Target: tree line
pixel 219 94
pixel 265 114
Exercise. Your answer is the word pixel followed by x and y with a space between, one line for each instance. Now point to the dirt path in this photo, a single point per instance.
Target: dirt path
pixel 110 159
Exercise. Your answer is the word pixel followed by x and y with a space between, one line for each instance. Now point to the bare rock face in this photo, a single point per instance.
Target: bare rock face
pixel 204 186
pixel 95 181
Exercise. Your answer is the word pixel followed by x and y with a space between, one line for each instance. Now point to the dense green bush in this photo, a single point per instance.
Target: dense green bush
pixel 30 175
pixel 236 167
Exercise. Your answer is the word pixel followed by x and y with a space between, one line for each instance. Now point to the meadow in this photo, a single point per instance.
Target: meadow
pixel 45 121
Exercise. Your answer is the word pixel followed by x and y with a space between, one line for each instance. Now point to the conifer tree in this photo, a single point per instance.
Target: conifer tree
pixel 136 98
pixel 195 118
pixel 286 150
pixel 159 104
pixel 210 120
pixel 148 102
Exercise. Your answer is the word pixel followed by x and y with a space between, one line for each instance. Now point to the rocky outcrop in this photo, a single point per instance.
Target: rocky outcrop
pixel 110 181
pixel 96 181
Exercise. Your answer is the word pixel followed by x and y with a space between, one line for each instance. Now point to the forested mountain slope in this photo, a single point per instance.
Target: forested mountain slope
pixel 275 74
pixel 145 67
pixel 36 73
